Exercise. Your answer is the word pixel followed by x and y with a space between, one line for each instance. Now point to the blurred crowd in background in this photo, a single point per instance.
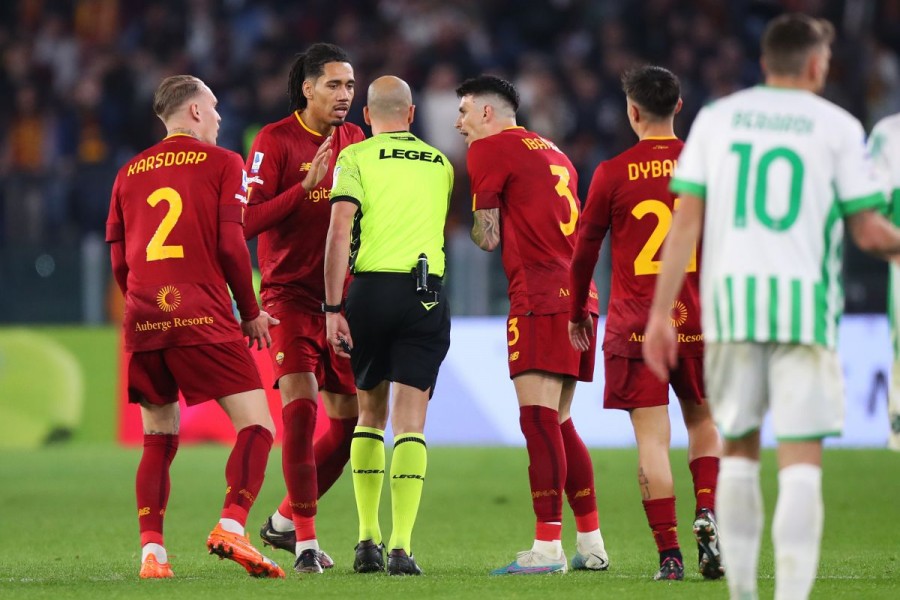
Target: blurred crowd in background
pixel 77 79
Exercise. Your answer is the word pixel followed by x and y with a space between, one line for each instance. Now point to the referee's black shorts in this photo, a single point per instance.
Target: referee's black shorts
pixel 398 335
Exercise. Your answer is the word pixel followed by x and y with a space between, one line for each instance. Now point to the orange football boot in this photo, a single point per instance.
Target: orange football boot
pixel 153 569
pixel 238 548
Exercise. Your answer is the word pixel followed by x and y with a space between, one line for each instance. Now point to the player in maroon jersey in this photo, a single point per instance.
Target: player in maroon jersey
pixel 524 196
pixel 290 173
pixel 177 244
pixel 629 196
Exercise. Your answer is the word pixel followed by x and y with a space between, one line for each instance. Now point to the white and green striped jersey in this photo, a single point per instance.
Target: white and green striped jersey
pixel 778 170
pixel 884 145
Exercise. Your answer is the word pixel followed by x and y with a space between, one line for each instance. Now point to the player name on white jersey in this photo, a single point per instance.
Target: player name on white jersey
pixel 779 169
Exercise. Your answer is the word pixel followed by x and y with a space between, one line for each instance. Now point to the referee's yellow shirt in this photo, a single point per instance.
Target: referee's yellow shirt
pixel 402 187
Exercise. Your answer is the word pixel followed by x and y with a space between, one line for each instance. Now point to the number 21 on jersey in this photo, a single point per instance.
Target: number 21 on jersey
pixel 157 248
pixel 644 264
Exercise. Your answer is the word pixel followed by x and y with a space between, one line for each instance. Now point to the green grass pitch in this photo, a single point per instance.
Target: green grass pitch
pixel 68 529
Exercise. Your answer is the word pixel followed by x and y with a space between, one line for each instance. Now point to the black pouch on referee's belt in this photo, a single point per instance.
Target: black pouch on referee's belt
pixel 420 272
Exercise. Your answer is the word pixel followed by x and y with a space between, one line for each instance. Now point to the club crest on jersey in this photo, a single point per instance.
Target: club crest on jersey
pixel 257 162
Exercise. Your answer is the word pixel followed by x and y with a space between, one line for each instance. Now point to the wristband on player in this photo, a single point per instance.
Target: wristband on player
pixel 331 308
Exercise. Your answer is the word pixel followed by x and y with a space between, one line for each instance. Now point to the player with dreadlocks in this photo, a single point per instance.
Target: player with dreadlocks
pixel 289 171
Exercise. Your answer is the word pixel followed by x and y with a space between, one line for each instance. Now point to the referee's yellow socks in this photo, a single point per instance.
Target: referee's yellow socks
pixel 408 465
pixel 367 463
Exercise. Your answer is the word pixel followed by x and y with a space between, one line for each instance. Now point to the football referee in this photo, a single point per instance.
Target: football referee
pixel 391 194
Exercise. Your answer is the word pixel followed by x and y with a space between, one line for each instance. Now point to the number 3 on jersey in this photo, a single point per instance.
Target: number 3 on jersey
pixel 513 330
pixel 157 248
pixel 562 188
pixel 644 263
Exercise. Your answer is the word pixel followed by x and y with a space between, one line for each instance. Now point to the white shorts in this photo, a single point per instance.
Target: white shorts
pixel 802 384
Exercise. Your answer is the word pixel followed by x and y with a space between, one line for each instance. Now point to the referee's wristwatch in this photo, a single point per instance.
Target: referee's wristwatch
pixel 331 308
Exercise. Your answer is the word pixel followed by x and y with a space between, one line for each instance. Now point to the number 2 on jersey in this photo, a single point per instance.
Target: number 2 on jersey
pixel 644 263
pixel 157 248
pixel 562 188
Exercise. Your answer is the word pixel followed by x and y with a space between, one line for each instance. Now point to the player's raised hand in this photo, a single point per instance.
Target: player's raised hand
pixel 581 334
pixel 319 165
pixel 660 346
pixel 257 330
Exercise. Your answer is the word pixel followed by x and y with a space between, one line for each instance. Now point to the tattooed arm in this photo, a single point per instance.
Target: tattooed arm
pixel 486 230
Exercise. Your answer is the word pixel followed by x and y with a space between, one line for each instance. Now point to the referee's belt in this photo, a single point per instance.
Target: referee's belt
pixel 433 280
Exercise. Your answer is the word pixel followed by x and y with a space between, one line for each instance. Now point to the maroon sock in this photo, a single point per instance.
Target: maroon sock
pixel 579 479
pixel 705 471
pixel 152 485
pixel 332 452
pixel 547 464
pixel 299 464
pixel 661 516
pixel 245 471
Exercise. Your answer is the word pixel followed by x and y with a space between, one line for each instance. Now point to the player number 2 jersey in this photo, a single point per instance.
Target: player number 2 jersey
pixel 779 169
pixel 535 187
pixel 629 196
pixel 167 203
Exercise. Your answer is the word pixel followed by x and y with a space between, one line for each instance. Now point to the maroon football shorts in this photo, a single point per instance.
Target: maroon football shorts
pixel 205 372
pixel 630 384
pixel 541 343
pixel 300 345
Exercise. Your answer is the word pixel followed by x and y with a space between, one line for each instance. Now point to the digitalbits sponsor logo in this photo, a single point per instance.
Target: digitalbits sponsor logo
pixel 168 298
pixel 679 314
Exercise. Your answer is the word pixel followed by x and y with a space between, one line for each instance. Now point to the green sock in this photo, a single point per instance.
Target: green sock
pixel 407 478
pixel 367 463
